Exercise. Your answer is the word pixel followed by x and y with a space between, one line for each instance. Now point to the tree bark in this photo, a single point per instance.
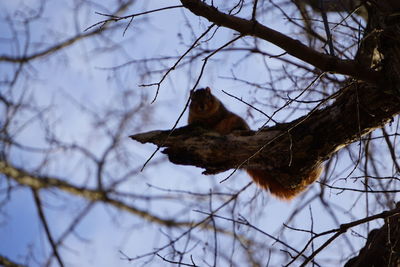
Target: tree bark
pixel 291 151
pixel 382 247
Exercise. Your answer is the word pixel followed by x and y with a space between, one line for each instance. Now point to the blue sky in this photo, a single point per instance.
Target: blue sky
pixel 77 74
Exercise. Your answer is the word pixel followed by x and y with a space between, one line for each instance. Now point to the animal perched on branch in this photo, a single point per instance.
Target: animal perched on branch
pixel 208 112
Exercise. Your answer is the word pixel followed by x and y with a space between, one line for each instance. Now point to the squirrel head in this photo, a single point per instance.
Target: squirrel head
pixel 203 103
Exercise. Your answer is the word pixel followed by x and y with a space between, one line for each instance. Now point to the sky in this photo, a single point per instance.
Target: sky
pixel 77 80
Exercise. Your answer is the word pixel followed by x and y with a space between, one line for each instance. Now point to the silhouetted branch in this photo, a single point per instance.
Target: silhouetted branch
pixel 292 46
pixel 289 151
pixel 382 247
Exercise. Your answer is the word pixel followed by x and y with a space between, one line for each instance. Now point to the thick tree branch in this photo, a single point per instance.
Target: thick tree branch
pixel 382 247
pixel 289 151
pixel 8 263
pixel 292 46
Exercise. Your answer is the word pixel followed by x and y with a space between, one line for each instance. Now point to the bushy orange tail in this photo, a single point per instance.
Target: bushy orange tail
pixel 264 180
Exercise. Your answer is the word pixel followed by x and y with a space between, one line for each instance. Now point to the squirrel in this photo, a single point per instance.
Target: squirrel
pixel 208 112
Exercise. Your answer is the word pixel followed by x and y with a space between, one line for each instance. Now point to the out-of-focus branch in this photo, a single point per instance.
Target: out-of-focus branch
pixel 41 182
pixel 8 263
pixel 59 46
pixel 37 183
pixel 50 50
pixel 46 227
pixel 292 46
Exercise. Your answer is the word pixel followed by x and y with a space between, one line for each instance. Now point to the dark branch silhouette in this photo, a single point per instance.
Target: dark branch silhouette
pixel 290 150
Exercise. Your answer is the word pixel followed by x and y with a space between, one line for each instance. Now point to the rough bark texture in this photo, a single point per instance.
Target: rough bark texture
pixel 291 150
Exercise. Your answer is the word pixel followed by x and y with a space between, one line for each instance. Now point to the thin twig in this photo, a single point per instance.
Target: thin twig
pixel 194 44
pixel 188 101
pixel 342 229
pixel 117 18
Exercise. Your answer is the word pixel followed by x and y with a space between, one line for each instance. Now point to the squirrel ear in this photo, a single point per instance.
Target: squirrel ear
pixel 208 89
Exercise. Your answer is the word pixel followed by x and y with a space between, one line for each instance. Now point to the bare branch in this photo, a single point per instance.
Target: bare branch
pixel 113 18
pixel 8 263
pixel 289 151
pixel 291 46
pixel 38 183
pixel 344 227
